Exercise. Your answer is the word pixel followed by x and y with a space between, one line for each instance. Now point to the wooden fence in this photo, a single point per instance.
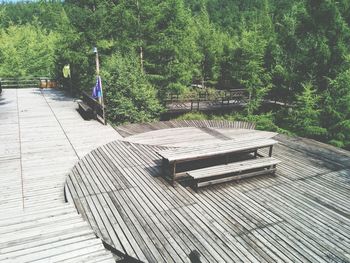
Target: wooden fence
pixel 206 100
pixel 27 82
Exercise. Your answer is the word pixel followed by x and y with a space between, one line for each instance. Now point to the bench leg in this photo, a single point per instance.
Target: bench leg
pixel 164 164
pixel 195 185
pixel 270 151
pixel 255 153
pixel 273 168
pixel 173 173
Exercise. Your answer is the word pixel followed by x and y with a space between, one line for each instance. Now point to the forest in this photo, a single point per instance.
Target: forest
pixel 293 51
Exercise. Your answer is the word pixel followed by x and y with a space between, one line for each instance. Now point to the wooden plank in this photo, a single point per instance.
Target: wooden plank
pixel 234 178
pixel 233 167
pixel 204 151
pixel 248 221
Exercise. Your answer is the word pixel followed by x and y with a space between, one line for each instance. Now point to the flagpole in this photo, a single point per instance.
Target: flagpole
pixel 101 100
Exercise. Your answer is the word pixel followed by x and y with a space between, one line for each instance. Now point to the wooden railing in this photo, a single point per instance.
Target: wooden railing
pixel 27 82
pixel 206 99
pixel 208 95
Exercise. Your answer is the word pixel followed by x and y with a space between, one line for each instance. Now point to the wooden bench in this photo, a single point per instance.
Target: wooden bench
pixel 91 108
pixel 233 171
pixel 172 157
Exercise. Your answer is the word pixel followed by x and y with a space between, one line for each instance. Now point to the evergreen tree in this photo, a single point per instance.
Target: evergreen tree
pixel 337 110
pixel 27 50
pixel 245 68
pixel 128 94
pixel 270 48
pixel 171 54
pixel 305 117
pixel 210 46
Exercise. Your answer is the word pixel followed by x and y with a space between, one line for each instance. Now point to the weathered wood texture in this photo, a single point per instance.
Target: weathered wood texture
pixel 300 215
pixel 91 109
pixel 41 137
pixel 195 136
pixel 233 167
pixel 209 150
pixel 137 128
pixel 57 234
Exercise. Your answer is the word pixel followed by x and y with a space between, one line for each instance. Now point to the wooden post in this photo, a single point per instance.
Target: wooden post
pixel 173 173
pixel 270 151
pixel 163 168
pixel 273 169
pixel 100 99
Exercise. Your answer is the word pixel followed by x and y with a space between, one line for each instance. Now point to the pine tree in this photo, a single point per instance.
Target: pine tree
pixel 304 119
pixel 129 95
pixel 337 110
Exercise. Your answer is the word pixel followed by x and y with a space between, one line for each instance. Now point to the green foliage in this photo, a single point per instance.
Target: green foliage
pixel 252 75
pixel 27 50
pixel 265 122
pixel 245 68
pixel 304 119
pixel 271 48
pixel 128 94
pixel 210 44
pixel 193 116
pixel 171 55
pixel 337 110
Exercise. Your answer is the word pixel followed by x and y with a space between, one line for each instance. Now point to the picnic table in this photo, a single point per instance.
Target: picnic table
pixel 172 157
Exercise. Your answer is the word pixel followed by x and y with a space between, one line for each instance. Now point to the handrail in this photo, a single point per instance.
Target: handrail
pixel 23 82
pixel 205 95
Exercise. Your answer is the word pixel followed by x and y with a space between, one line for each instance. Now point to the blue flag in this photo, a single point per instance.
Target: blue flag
pixel 97 90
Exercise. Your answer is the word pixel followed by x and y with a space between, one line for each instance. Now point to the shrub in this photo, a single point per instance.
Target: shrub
pixel 193 116
pixel 129 95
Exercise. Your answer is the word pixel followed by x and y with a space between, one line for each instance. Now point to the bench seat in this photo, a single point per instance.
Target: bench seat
pixel 238 170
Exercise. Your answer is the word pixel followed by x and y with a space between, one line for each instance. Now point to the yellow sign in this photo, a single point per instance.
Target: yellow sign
pixel 66 71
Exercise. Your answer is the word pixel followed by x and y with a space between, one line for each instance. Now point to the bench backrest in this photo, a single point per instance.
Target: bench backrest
pixel 93 104
pixel 97 108
pixel 203 151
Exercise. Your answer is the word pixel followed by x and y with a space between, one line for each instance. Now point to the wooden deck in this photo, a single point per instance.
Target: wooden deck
pixel 300 215
pixel 41 138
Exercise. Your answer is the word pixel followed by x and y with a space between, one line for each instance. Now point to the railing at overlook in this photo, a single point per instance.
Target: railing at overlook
pixel 27 82
pixel 206 100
